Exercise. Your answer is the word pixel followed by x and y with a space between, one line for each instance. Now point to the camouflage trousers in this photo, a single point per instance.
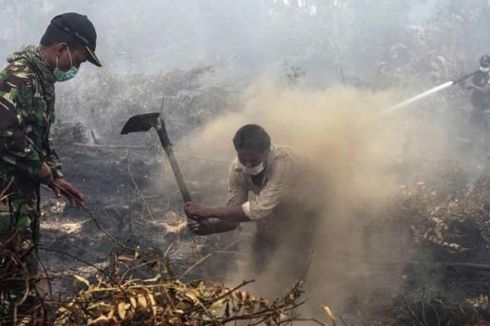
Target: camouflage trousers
pixel 19 236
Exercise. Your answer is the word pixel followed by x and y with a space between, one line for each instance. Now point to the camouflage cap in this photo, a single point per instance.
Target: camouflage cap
pixel 80 27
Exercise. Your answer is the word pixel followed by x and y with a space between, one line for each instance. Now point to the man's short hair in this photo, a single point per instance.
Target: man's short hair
pixel 252 136
pixel 54 34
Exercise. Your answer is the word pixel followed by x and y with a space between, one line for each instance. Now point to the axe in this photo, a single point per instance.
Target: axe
pixel 144 122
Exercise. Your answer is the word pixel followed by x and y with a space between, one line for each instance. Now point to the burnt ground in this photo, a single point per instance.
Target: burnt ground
pixel 134 197
pixel 117 183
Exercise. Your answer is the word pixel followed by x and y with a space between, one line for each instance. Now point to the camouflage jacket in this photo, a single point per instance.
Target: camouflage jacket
pixel 26 115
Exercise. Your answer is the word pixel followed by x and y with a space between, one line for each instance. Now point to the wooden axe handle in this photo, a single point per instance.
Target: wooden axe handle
pixel 208 226
pixel 167 146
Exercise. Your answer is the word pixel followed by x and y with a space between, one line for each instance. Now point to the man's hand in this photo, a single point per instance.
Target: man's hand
pixel 203 226
pixel 197 210
pixel 45 175
pixel 193 225
pixel 207 226
pixel 62 187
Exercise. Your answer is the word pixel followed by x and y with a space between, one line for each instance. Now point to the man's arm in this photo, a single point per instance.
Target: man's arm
pixel 16 92
pixel 54 162
pixel 59 185
pixel 224 213
pixel 254 209
pixel 485 89
pixel 17 89
pixel 237 194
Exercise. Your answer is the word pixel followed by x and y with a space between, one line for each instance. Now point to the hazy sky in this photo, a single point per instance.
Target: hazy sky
pixel 239 35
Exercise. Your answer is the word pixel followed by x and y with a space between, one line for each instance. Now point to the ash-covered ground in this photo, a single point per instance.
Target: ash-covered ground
pixel 411 265
pixel 120 191
pixel 421 253
pixel 439 222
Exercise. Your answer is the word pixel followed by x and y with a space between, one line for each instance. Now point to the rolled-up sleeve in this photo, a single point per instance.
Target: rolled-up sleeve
pixel 237 192
pixel 273 192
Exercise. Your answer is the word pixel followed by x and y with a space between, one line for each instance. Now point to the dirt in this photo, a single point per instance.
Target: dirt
pixel 116 185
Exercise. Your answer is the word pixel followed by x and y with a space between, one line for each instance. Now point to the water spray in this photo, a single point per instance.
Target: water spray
pixel 425 94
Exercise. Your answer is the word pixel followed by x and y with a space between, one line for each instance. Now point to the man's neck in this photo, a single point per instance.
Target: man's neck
pixel 257 179
pixel 45 55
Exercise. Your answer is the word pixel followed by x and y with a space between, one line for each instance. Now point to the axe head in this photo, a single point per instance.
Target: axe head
pixel 141 122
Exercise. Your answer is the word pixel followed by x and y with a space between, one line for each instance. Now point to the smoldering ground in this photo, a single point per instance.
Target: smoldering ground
pixel 363 161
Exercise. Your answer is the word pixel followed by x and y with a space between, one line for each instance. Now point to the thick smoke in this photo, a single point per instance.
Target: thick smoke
pixel 401 45
pixel 359 157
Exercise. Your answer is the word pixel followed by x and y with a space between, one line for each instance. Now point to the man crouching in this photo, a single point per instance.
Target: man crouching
pixel 276 189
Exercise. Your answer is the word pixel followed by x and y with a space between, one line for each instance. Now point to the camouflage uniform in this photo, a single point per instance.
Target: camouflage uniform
pixel 480 115
pixel 479 100
pixel 26 114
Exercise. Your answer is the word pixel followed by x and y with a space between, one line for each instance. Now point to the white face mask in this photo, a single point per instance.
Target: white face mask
pixel 484 69
pixel 253 171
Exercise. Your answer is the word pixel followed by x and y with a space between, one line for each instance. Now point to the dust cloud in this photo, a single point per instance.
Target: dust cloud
pixel 359 157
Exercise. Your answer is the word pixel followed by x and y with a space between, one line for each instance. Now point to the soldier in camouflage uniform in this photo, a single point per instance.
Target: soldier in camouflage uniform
pixel 27 158
pixel 480 100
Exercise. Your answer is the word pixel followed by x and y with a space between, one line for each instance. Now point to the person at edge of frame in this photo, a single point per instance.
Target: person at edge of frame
pixel 27 156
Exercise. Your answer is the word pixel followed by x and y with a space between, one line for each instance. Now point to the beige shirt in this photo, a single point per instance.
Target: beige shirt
pixel 258 201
